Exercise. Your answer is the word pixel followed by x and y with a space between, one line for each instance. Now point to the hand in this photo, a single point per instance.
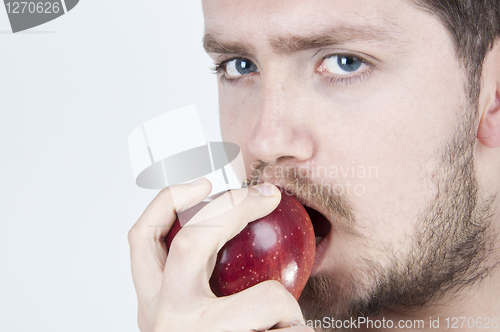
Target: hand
pixel 173 291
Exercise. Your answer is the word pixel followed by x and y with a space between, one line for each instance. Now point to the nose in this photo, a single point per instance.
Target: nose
pixel 282 129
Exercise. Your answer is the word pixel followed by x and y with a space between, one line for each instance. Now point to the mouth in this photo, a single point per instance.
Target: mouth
pixel 322 231
pixel 321 224
pixel 322 228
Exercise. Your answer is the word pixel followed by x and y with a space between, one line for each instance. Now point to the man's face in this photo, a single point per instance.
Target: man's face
pixel 366 98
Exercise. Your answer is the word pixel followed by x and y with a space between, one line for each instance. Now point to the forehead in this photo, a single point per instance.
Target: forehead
pixel 236 17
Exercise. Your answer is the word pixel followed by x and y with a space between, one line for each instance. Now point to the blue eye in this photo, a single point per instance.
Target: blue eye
pixel 349 64
pixel 240 67
pixel 342 64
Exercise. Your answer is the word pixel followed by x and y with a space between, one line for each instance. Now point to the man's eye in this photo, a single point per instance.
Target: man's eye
pixel 239 67
pixel 341 64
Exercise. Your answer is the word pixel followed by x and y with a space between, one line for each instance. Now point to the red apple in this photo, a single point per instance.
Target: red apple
pixel 280 246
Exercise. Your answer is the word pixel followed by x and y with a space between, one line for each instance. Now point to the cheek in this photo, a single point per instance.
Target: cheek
pixel 394 137
pixel 235 113
pixel 238 115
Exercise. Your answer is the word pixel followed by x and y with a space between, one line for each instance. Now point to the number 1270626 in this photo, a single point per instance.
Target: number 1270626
pixel 33 7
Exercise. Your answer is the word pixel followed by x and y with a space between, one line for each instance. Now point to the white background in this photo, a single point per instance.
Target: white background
pixel 71 91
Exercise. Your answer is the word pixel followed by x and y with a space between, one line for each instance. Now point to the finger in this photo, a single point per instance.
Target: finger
pixel 194 249
pixel 147 248
pixel 266 304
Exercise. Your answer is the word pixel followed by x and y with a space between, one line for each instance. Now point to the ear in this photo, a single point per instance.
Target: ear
pixel 488 133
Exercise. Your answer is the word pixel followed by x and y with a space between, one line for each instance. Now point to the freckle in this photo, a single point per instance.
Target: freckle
pixel 285 236
pixel 242 267
pixel 251 255
pixel 254 242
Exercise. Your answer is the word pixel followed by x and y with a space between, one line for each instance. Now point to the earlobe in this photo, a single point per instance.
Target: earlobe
pixel 488 132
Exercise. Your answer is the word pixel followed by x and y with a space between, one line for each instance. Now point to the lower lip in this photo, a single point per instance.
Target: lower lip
pixel 321 250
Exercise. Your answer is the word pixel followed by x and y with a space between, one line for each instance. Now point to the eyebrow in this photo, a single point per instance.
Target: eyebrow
pixel 288 44
pixel 213 45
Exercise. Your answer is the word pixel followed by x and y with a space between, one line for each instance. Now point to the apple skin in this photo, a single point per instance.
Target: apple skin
pixel 280 246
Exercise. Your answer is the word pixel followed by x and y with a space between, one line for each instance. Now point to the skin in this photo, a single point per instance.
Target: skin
pixel 397 114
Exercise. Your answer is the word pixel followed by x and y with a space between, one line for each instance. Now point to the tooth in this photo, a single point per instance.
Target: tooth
pixel 318 239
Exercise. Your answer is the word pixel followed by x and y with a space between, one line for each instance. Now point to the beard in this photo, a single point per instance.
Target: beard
pixel 449 250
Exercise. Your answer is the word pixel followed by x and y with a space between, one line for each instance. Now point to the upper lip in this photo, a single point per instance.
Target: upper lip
pixel 307 202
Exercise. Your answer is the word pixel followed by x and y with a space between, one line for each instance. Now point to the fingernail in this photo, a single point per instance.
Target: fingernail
pixel 267 189
pixel 197 182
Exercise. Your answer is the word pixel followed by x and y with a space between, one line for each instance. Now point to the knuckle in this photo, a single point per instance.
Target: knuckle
pixel 142 323
pixel 162 326
pixel 274 291
pixel 158 328
pixel 165 194
pixel 133 236
pixel 148 321
pixel 184 244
